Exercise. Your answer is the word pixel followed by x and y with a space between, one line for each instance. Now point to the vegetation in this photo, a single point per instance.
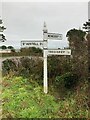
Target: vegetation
pixel 10 47
pixel 24 66
pixel 68 95
pixel 3 47
pixel 79 48
pixel 6 47
pixel 24 98
pixel 68 79
pixel 24 52
pixel 86 26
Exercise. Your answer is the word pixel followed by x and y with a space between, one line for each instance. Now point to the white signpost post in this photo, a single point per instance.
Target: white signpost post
pixel 46 51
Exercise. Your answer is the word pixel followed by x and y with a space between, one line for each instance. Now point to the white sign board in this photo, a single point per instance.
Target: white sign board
pixel 37 44
pixel 59 52
pixel 55 36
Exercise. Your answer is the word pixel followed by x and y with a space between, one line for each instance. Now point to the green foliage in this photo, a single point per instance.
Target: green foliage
pixel 24 98
pixel 12 50
pixel 8 66
pixel 36 50
pixel 7 47
pixel 77 33
pixel 57 65
pixel 10 47
pixel 27 67
pixel 24 52
pixel 31 51
pixel 54 66
pixel 3 47
pixel 33 67
pixel 79 47
pixel 68 79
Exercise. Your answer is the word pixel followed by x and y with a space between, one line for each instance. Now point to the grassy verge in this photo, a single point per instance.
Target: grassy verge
pixel 24 98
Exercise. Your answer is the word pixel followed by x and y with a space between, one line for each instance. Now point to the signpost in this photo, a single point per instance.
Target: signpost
pixel 43 44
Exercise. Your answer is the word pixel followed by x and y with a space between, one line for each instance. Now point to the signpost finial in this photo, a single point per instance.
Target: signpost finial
pixel 44 27
pixel 44 24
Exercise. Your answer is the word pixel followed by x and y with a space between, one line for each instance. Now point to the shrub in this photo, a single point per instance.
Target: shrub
pixel 26 67
pixel 3 47
pixel 7 66
pixel 31 51
pixel 69 80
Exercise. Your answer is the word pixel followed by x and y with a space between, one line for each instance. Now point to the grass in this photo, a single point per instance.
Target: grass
pixel 24 98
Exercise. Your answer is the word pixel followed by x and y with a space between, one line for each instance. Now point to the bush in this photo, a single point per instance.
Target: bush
pixel 26 67
pixel 7 66
pixel 69 80
pixel 31 68
pixel 31 51
pixel 3 47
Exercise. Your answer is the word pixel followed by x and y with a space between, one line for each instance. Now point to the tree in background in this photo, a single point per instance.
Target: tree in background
pixel 86 26
pixel 3 47
pixel 78 46
pixel 10 47
pixel 88 39
pixel 2 28
pixel 31 51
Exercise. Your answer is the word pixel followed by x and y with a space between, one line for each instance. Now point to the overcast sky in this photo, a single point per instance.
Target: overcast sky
pixel 24 20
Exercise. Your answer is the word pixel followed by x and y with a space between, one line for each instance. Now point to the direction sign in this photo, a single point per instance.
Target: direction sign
pixel 59 52
pixel 44 45
pixel 55 36
pixel 37 44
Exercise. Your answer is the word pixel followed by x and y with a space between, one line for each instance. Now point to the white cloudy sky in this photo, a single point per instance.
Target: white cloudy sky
pixel 24 20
